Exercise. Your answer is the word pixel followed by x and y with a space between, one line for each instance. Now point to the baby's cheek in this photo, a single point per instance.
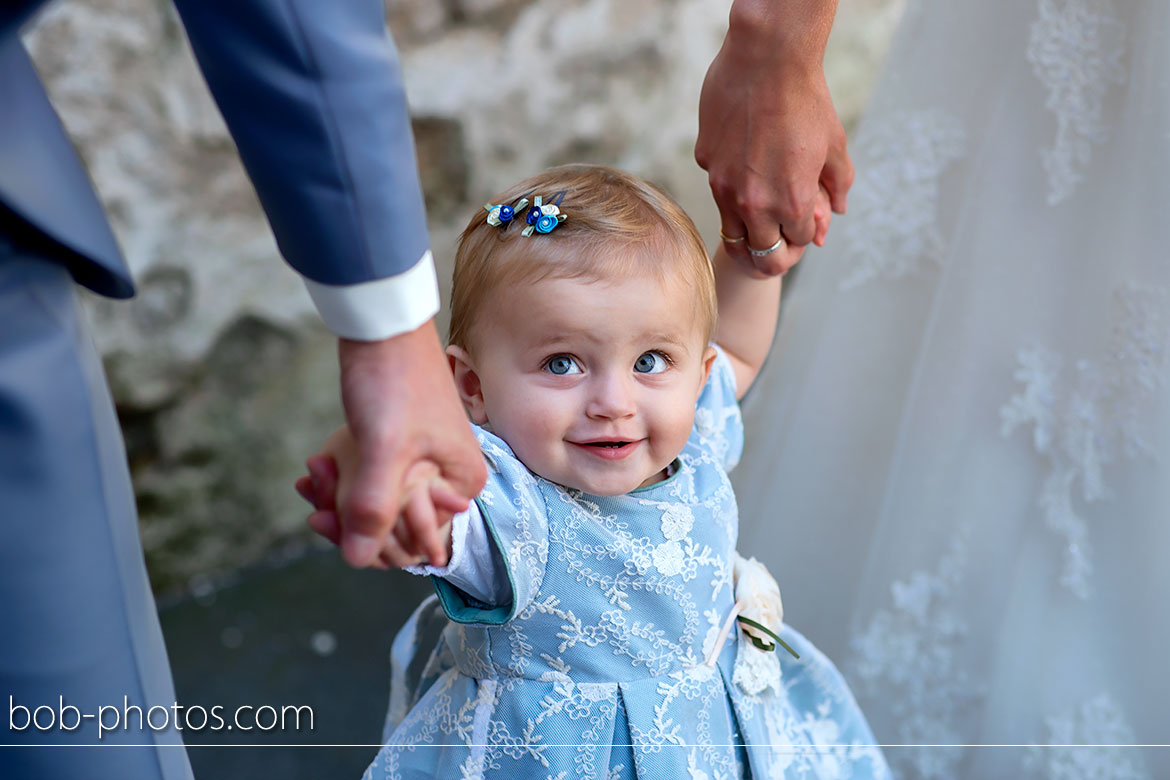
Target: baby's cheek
pixel 675 429
pixel 541 424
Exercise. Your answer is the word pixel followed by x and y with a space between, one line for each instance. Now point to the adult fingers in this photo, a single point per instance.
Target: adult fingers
pixel 837 176
pixel 323 474
pixel 325 523
pixel 764 243
pixel 371 508
pixel 304 487
pixel 461 464
pixel 792 207
pixel 446 499
pixel 824 217
pixel 779 262
pixel 732 231
pixel 769 214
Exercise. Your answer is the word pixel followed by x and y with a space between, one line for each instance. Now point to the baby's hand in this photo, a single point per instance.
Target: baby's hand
pixel 422 530
pixel 425 490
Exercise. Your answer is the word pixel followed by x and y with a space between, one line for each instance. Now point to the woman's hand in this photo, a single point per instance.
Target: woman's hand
pixel 769 136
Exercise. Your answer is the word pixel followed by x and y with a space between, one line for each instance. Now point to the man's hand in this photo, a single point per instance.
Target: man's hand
pixel 769 137
pixel 404 414
pixel 430 503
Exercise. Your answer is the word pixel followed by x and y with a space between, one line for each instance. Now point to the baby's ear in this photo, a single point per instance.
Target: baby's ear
pixel 467 383
pixel 708 363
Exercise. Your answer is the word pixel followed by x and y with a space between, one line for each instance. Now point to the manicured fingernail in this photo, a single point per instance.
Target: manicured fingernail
pixel 359 550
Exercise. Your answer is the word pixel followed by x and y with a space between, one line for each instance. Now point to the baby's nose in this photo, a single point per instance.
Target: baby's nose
pixel 611 398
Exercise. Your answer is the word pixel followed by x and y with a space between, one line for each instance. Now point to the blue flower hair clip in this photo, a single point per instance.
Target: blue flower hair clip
pixel 540 217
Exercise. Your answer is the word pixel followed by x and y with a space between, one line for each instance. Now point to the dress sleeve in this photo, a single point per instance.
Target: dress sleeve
pixel 515 515
pixel 476 566
pixel 718 428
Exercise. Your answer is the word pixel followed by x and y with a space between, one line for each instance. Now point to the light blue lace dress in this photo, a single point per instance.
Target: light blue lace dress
pixel 596 669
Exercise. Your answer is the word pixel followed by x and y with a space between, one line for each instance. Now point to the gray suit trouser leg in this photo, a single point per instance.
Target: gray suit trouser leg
pixel 78 623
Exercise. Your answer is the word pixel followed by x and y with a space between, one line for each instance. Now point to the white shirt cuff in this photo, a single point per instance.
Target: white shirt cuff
pixel 372 311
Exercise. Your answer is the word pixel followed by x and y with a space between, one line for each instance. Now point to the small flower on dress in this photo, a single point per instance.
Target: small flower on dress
pixel 614 617
pixel 641 556
pixel 705 422
pixel 677 521
pixel 594 692
pixel 668 558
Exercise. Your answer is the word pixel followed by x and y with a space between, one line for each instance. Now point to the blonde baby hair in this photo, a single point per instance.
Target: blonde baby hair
pixel 616 226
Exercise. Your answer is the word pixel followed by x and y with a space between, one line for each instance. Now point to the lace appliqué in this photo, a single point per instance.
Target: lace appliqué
pixel 908 660
pixel 893 222
pixel 1082 423
pixel 1097 722
pixel 1075 48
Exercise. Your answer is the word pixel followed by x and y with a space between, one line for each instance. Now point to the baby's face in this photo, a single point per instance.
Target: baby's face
pixel 592 384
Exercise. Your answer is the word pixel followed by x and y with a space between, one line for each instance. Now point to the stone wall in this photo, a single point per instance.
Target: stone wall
pixel 223 377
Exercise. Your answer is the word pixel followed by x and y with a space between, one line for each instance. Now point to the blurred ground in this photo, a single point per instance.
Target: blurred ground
pixel 310 631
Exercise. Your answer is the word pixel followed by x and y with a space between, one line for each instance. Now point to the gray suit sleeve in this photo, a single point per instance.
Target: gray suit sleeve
pixel 312 93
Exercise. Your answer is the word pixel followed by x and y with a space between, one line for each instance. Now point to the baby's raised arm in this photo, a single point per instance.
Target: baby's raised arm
pixel 749 302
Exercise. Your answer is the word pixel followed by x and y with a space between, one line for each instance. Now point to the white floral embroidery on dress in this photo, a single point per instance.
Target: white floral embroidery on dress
pixel 1083 423
pixel 893 217
pixel 1076 48
pixel 1098 721
pixel 907 658
pixel 668 558
pixel 677 521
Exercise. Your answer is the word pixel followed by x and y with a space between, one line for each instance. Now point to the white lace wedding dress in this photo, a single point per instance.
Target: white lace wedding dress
pixel 960 463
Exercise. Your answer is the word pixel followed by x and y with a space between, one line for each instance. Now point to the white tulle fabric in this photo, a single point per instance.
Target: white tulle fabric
pixel 958 472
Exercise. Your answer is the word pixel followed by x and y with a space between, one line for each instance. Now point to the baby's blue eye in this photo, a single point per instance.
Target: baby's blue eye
pixel 650 363
pixel 563 364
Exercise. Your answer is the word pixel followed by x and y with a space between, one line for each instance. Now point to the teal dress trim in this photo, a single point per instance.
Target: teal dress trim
pixel 463 608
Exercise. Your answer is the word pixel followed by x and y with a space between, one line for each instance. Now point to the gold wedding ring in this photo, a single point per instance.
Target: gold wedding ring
pixel 728 239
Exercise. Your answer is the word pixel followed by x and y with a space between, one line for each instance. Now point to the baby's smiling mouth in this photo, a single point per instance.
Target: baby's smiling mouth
pixel 609 449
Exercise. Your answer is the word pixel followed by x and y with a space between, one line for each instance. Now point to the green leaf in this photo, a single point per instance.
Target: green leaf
pixel 760 643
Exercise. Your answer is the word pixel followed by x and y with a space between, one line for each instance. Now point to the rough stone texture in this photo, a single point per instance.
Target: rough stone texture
pixel 224 378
